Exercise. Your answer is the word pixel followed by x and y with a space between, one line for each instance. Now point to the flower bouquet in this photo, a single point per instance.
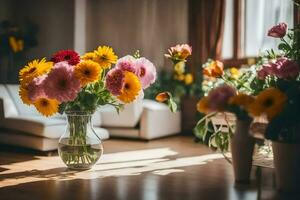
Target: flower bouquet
pixel 77 86
pixel 279 101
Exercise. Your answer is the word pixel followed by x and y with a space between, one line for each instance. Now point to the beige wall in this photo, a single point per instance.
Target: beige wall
pixel 148 25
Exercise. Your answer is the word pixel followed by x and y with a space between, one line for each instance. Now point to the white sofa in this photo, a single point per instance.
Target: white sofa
pixel 22 125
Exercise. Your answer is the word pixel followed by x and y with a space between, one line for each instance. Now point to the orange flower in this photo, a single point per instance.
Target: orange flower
pixel 202 105
pixel 162 97
pixel 242 100
pixel 215 69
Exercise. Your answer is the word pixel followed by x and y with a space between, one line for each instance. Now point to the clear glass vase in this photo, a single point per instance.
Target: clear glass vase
pixel 80 147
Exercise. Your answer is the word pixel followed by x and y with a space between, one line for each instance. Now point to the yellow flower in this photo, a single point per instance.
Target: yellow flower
pixel 270 102
pixel 179 77
pixel 234 72
pixel 23 93
pixel 188 79
pixel 131 88
pixel 46 107
pixel 21 45
pixel 179 67
pixel 242 100
pixel 203 106
pixel 13 44
pixel 34 69
pixel 88 56
pixel 88 71
pixel 105 56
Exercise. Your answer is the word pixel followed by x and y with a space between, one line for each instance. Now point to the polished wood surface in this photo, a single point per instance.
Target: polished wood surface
pixel 168 168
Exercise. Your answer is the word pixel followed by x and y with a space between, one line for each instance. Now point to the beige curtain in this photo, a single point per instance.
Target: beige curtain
pixel 149 25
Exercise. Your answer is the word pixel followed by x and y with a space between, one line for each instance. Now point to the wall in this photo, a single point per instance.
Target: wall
pixel 149 25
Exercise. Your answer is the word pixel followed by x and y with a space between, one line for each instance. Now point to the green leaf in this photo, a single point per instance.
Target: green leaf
pixel 172 105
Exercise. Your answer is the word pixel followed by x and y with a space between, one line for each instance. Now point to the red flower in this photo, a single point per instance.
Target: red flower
pixel 70 56
pixel 278 31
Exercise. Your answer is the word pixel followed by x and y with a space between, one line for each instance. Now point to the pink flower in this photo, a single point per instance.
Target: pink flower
pixel 114 81
pixel 278 31
pixel 285 68
pixel 267 69
pixel 146 72
pixel 219 97
pixel 36 89
pixel 180 52
pixel 61 83
pixel 127 63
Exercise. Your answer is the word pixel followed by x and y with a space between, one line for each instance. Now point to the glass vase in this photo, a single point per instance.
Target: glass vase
pixel 79 147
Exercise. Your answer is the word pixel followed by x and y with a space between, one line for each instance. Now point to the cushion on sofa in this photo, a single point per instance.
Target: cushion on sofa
pixel 8 104
pixel 128 117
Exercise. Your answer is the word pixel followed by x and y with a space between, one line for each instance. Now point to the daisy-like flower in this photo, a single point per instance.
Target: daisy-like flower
pixel 23 93
pixel 131 87
pixel 105 56
pixel 34 69
pixel 114 81
pixel 88 56
pixel 87 71
pixel 36 89
pixel 72 57
pixel 146 72
pixel 127 63
pixel 270 102
pixel 46 107
pixel 61 83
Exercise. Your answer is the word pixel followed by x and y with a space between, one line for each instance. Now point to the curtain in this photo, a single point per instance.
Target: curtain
pixel 151 26
pixel 206 27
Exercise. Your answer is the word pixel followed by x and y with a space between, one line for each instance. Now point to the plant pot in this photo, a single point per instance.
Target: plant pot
pixel 242 146
pixel 79 147
pixel 287 166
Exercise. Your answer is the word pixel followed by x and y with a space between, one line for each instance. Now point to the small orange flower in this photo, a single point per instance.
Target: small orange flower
pixel 215 69
pixel 242 100
pixel 162 97
pixel 203 106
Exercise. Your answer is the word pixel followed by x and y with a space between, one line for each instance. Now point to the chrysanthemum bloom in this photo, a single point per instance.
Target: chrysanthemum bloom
pixel 23 93
pixel 185 51
pixel 72 57
pixel 179 52
pixel 188 80
pixel 105 56
pixel 162 97
pixel 61 83
pixel 88 56
pixel 215 69
pixel 242 100
pixel 127 63
pixel 270 102
pixel 146 72
pixel 114 81
pixel 36 89
pixel 131 87
pixel 203 106
pixel 278 31
pixel 87 72
pixel 46 107
pixel 34 69
pixel 218 98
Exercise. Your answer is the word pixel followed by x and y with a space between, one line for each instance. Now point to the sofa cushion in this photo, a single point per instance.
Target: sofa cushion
pixel 9 108
pixel 128 117
pixel 36 125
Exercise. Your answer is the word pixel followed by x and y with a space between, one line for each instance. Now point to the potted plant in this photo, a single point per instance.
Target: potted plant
pixel 280 103
pixel 77 86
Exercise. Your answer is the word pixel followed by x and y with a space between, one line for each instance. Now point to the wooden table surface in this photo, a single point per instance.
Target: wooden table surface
pixel 168 168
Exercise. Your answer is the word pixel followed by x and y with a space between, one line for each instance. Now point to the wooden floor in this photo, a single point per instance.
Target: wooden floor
pixel 165 169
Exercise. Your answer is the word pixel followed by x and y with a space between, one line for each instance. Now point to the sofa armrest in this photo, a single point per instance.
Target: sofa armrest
pixel 158 121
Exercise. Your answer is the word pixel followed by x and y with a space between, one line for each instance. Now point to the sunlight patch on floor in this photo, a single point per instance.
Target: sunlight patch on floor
pixel 156 161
